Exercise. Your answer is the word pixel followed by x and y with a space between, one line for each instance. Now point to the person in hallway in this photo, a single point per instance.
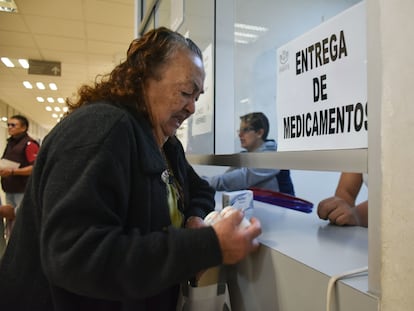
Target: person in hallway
pixel 254 129
pixel 23 149
pixel 112 218
pixel 341 209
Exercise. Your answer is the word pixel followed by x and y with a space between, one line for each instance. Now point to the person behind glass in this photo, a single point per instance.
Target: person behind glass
pixel 341 209
pixel 23 149
pixel 254 128
pixel 112 218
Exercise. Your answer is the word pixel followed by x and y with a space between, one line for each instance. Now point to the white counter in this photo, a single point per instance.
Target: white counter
pixel 299 254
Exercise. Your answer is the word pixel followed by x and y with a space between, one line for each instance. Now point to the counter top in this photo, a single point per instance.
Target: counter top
pixel 329 249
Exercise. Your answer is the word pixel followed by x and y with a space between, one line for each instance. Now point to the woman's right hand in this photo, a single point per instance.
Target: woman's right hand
pixel 236 241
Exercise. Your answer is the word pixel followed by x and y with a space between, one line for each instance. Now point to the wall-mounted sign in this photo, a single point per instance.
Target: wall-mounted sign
pixel 40 67
pixel 322 88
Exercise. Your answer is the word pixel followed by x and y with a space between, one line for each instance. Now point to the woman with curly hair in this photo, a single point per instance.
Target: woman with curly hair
pixel 112 218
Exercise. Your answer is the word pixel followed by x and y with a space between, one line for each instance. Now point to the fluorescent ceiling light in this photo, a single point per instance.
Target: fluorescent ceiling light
pixel 250 27
pixel 7 62
pixel 24 63
pixel 53 86
pixel 8 6
pixel 61 100
pixel 50 100
pixel 241 41
pixel 40 85
pixel 57 109
pixel 48 108
pixel 27 85
pixel 245 35
pixel 40 99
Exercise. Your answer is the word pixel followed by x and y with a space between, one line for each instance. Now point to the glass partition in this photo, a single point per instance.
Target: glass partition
pixel 260 28
pixel 239 40
pixel 195 20
pixel 244 37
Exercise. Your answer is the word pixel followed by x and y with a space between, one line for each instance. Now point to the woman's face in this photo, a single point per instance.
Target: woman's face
pixel 250 139
pixel 172 98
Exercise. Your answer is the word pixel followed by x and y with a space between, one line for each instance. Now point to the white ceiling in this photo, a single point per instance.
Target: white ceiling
pixel 88 37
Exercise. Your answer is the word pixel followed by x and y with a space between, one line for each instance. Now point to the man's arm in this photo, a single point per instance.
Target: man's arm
pixel 349 186
pixel 21 171
pixel 340 209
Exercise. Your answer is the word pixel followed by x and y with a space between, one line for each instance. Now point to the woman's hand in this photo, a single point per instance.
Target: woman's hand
pixel 236 242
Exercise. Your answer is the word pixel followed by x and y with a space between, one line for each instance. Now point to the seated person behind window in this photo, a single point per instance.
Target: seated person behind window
pixel 341 209
pixel 254 128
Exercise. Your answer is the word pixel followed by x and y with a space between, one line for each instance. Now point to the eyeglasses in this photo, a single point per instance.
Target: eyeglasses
pixel 244 130
pixel 11 124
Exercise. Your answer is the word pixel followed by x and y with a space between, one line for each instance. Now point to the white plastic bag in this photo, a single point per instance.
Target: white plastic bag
pixel 213 297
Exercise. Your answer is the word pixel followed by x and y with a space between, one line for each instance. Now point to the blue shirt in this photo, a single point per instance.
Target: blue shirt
pixel 239 178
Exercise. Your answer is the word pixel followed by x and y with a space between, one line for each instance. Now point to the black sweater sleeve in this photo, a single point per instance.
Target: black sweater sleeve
pixel 88 246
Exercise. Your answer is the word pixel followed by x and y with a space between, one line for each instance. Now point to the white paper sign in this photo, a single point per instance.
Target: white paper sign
pixel 202 118
pixel 322 88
